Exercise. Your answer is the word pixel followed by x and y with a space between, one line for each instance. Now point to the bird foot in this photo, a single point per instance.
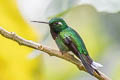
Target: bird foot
pixel 63 52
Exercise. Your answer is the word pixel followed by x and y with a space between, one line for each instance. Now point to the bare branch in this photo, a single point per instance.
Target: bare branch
pixel 51 52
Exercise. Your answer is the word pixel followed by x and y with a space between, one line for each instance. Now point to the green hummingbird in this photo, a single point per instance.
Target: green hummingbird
pixel 67 39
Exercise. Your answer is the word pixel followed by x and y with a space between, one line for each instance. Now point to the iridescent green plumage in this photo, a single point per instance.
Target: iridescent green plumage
pixel 68 39
pixel 75 38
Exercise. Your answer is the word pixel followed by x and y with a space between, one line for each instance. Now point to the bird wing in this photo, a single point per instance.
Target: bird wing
pixel 85 59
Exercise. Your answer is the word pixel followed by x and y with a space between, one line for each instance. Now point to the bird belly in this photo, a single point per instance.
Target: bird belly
pixel 61 45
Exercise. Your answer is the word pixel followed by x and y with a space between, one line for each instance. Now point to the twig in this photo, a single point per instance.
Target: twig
pixel 51 52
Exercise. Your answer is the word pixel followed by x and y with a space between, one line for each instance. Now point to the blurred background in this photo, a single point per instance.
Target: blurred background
pixel 97 21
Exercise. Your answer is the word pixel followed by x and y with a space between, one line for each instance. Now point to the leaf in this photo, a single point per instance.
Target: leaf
pixel 111 6
pixel 14 64
pixel 85 20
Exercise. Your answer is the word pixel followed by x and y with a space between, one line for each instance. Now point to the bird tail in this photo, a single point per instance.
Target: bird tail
pixel 96 65
pixel 89 64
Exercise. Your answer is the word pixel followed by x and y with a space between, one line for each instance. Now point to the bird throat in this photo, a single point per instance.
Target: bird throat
pixel 54 34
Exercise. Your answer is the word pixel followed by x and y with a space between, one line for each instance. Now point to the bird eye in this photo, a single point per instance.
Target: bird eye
pixel 57 23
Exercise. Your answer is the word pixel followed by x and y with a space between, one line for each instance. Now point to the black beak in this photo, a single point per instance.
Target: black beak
pixel 40 22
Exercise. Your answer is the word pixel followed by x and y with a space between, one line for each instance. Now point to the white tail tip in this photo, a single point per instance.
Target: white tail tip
pixel 96 65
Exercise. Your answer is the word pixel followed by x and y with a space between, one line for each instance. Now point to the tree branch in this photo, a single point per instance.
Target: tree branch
pixel 51 52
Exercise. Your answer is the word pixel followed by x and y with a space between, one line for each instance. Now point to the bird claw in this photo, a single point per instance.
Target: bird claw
pixel 63 52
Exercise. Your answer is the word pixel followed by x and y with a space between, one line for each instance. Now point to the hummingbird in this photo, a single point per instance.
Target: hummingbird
pixel 67 39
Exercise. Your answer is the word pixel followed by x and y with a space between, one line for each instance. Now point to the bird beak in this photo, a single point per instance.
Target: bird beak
pixel 40 22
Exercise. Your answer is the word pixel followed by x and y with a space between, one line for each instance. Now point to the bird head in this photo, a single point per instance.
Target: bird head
pixel 56 24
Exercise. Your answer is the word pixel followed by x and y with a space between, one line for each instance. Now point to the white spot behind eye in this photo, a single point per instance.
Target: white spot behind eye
pixel 60 23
